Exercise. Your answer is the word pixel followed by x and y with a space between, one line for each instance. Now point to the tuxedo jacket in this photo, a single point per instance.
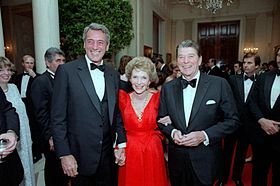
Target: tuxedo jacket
pixel 260 103
pixel 41 96
pixel 8 117
pixel 245 115
pixel 18 80
pixel 76 114
pixel 213 111
pixel 11 170
pixel 216 72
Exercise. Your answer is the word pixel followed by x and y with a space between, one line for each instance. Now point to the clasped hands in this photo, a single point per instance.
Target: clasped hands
pixel 269 126
pixel 120 156
pixel 189 140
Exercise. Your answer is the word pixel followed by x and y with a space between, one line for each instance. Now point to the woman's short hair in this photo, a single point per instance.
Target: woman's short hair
pixel 144 64
pixel 5 62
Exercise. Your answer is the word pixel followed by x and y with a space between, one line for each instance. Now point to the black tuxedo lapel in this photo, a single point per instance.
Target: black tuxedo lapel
pixel 267 88
pixel 202 87
pixel 111 96
pixel 179 102
pixel 85 77
pixel 240 85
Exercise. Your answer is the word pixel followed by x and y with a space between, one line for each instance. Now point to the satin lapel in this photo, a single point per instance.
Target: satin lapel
pixel 200 93
pixel 267 88
pixel 252 88
pixel 177 94
pixel 240 84
pixel 111 92
pixel 85 77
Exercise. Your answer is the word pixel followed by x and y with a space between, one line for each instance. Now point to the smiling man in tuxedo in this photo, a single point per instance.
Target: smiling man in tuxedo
pixel 195 112
pixel 85 114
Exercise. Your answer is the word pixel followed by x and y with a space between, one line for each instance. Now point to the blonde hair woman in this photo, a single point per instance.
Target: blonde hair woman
pixel 144 164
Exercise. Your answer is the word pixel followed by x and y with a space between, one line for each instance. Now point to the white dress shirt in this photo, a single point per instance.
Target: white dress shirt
pixel 98 79
pixel 275 90
pixel 24 83
pixel 247 87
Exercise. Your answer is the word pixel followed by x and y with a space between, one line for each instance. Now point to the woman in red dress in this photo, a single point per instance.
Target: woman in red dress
pixel 144 164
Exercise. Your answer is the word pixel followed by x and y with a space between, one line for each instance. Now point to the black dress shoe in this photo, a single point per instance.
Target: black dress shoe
pixel 239 183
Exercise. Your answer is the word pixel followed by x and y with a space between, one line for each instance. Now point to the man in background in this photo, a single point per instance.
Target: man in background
pixel 23 82
pixel 41 96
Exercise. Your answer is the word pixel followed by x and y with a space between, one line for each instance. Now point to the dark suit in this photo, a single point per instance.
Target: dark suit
pixel 213 111
pixel 41 95
pixel 11 171
pixel 82 125
pixel 216 71
pixel 244 135
pixel 266 148
pixel 36 150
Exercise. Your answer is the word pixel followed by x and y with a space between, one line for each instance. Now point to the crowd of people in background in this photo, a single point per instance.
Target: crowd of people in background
pixel 99 126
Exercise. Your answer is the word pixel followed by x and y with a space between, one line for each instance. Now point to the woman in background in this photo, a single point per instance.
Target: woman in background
pixel 144 164
pixel 13 96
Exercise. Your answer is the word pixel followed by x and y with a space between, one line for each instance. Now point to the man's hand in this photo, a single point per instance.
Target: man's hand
pixel 31 72
pixel 165 120
pixel 120 156
pixel 193 139
pixel 69 165
pixel 269 126
pixel 11 137
pixel 177 137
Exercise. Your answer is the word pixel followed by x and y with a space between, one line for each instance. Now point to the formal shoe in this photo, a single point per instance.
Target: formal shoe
pixel 239 183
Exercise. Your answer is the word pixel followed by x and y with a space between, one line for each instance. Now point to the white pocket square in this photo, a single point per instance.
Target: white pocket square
pixel 210 102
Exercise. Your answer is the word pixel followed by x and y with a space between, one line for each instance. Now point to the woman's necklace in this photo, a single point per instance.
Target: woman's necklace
pixel 139 108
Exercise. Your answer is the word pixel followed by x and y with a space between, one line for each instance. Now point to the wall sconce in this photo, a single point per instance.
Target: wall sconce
pixel 250 50
pixel 8 49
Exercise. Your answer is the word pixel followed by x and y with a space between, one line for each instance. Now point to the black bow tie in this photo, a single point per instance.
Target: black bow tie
pixel 25 74
pixel 94 66
pixel 251 77
pixel 185 83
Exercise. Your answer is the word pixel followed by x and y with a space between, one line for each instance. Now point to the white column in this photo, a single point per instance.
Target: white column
pixel 2 50
pixel 46 29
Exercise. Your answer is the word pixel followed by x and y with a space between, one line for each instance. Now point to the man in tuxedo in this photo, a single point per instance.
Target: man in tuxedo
pixel 213 69
pixel 265 106
pixel 23 82
pixel 41 95
pixel 85 115
pixel 11 170
pixel 242 86
pixel 201 111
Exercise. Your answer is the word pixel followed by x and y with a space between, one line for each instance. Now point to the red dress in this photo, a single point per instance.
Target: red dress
pixel 144 164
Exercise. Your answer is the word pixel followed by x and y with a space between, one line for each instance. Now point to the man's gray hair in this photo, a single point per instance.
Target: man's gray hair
pixel 51 53
pixel 96 26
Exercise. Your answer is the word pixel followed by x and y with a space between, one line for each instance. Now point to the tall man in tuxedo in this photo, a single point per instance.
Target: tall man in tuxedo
pixel 41 96
pixel 85 115
pixel 11 170
pixel 23 82
pixel 201 110
pixel 242 86
pixel 265 106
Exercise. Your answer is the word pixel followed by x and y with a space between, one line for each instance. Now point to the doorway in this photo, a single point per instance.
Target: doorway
pixel 219 40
